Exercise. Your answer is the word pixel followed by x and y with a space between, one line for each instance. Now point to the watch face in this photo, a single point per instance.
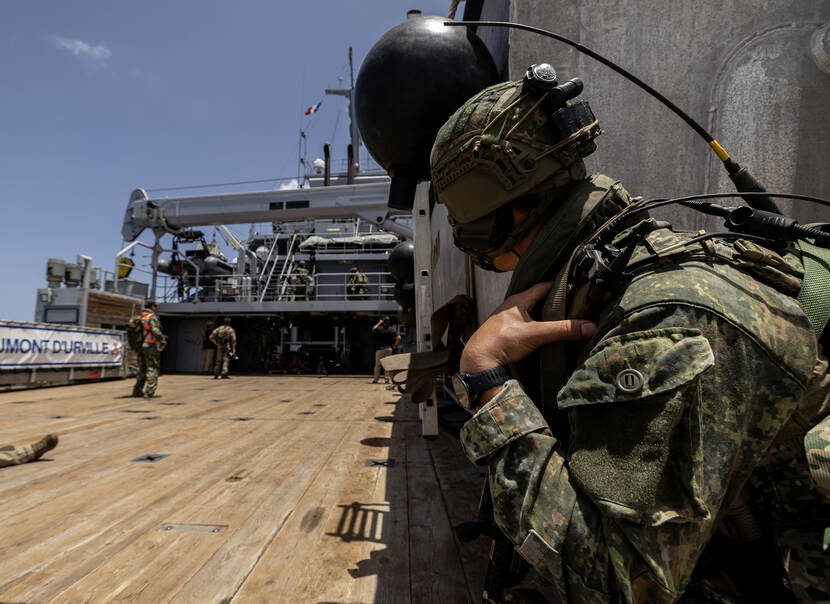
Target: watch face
pixel 461 392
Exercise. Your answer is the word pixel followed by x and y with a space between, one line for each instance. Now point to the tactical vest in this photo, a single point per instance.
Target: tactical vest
pixel 786 500
pixel 149 336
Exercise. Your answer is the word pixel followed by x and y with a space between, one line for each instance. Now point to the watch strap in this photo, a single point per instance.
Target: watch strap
pixel 483 380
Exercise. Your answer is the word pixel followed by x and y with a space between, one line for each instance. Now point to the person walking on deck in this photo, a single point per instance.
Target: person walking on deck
pixel 224 337
pixel 149 355
pixel 386 343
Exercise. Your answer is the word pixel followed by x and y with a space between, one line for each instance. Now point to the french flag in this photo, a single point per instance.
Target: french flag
pixel 313 108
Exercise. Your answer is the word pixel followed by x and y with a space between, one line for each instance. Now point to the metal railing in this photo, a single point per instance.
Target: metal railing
pixel 247 288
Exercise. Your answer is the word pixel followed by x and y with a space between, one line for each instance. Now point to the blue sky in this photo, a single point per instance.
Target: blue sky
pixel 100 97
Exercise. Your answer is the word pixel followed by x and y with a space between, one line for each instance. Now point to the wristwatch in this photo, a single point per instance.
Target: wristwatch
pixel 469 386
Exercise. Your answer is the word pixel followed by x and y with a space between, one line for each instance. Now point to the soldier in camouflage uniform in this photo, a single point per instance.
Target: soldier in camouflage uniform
pixel 662 459
pixel 12 456
pixel 224 337
pixel 149 356
pixel 358 285
pixel 302 281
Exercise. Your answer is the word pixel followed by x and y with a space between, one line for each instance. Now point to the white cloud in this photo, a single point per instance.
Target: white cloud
pixel 81 48
pixel 291 184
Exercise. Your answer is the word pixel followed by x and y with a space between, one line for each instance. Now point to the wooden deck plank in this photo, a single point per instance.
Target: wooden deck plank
pixel 240 556
pixel 336 544
pixel 72 544
pixel 307 519
pixel 164 571
pixel 437 573
pixel 461 484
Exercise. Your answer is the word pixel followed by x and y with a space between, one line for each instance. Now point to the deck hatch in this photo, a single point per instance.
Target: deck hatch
pixel 386 463
pixel 193 528
pixel 151 457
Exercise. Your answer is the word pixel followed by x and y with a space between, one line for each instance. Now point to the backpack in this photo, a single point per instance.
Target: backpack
pixel 135 333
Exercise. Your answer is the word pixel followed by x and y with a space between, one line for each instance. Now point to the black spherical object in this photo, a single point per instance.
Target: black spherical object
pixel 402 262
pixel 404 295
pixel 409 84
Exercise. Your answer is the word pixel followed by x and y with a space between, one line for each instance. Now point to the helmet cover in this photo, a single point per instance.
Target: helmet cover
pixel 502 143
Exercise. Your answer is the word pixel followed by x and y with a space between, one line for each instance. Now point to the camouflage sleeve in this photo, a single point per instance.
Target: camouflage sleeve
pixel 155 327
pixel 232 338
pixel 669 413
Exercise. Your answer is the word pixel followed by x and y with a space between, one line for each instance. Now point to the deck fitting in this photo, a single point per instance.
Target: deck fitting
pixel 193 528
pixel 386 463
pixel 151 457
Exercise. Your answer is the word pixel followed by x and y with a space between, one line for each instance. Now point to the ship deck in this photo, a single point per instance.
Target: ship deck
pixel 273 489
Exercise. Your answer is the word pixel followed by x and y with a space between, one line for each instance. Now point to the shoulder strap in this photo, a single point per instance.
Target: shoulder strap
pixel 815 291
pixel 815 300
pixel 554 369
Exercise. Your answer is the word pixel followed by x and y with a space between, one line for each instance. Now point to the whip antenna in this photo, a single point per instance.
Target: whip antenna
pixel 743 180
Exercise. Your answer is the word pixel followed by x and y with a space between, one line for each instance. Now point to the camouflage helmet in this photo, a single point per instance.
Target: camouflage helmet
pixel 509 141
pixel 502 143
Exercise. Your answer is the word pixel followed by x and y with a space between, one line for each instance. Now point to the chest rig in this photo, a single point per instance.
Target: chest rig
pixel 599 271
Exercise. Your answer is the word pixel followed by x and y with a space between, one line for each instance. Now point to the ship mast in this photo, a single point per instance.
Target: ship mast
pixel 353 131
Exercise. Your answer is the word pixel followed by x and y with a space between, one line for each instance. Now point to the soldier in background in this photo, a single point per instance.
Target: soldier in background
pixel 224 337
pixel 12 456
pixel 358 285
pixel 386 343
pixel 208 349
pixel 302 281
pixel 149 355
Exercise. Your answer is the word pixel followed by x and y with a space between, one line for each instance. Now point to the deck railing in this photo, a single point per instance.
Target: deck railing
pixel 247 288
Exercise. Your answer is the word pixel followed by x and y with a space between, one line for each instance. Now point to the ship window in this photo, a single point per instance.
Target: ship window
pixel 61 314
pixel 293 205
pixel 275 205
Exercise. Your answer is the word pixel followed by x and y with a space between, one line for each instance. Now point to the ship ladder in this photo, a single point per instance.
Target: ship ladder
pixel 272 260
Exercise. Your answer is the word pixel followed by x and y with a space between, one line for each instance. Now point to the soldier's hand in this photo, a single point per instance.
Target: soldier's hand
pixel 510 334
